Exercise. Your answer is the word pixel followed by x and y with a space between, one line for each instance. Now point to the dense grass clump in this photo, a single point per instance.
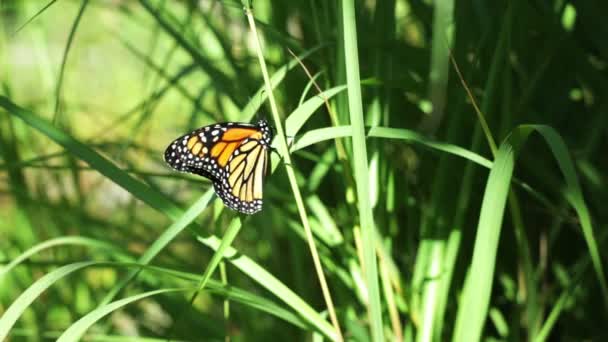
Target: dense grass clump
pixel 438 171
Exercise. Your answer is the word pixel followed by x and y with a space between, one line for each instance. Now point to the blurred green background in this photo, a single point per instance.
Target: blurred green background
pixel 91 93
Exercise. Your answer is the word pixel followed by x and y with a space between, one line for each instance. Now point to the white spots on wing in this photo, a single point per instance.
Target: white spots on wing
pixel 215 132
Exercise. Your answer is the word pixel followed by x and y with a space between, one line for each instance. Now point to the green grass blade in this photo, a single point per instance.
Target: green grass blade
pixel 300 115
pixel 35 16
pixel 62 241
pixel 94 159
pixel 159 244
pixel 322 134
pixel 14 311
pixel 64 59
pixel 473 307
pixel 260 96
pixel 76 330
pixel 474 304
pixel 272 284
pixel 409 135
pixel 361 171
pixel 574 195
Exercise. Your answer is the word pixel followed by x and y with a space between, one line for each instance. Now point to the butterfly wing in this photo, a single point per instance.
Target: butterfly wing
pixel 225 153
pixel 242 188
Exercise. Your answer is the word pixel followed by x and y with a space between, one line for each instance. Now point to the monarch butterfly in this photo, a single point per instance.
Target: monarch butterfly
pixel 234 156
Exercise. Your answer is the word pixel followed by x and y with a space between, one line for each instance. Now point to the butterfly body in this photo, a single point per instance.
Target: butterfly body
pixel 234 156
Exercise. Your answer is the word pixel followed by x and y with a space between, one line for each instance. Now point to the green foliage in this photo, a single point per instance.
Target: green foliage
pixel 417 194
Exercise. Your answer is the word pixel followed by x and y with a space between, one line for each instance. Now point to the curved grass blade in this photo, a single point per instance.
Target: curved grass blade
pixel 574 195
pixel 66 240
pixel 260 96
pixel 318 135
pixel 475 300
pixel 64 59
pixel 159 244
pixel 271 283
pixel 232 293
pixel 95 160
pixel 76 330
pixel 300 115
pixel 474 304
pixel 15 310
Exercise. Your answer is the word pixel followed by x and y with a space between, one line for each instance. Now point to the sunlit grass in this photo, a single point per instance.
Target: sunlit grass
pixel 396 209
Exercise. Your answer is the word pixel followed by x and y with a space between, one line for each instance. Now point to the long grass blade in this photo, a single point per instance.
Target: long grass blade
pixel 361 168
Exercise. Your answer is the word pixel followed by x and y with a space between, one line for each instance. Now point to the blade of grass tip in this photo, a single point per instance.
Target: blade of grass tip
pixel 309 85
pixel 480 117
pixel 291 175
pixel 361 171
pixel 65 59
